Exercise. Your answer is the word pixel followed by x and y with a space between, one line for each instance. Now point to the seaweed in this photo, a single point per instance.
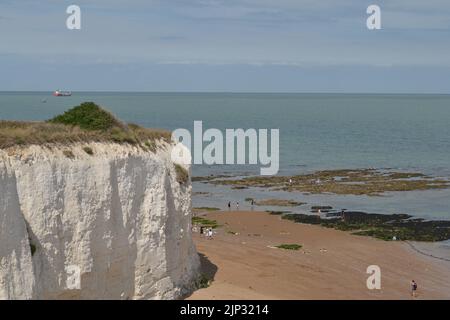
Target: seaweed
pixel 382 226
pixel 368 182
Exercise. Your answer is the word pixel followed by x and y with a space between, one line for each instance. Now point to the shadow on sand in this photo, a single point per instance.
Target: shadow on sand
pixel 207 269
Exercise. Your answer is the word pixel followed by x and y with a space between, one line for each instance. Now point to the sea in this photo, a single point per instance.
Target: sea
pixel 401 132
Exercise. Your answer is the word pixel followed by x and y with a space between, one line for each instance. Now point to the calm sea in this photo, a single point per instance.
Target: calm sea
pixel 317 131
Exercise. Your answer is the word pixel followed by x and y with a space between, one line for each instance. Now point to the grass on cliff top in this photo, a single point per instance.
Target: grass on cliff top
pixel 84 123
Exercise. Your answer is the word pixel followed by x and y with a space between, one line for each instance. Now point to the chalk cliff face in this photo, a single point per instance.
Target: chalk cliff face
pixel 119 217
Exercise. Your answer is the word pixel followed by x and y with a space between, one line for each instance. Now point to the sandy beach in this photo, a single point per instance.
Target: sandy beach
pixel 244 263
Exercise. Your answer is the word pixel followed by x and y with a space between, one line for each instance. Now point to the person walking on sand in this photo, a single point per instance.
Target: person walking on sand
pixel 237 206
pixel 413 288
pixel 210 234
pixel 229 205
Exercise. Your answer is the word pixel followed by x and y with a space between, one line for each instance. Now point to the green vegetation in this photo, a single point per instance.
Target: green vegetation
pixel 202 282
pixel 277 213
pixel 88 116
pixel 151 145
pixel 84 123
pixel 209 178
pixel 369 182
pixel 207 209
pixel 182 174
pixel 201 193
pixel 205 222
pixel 88 150
pixel 279 203
pixel 322 208
pixel 381 226
pixel 69 154
pixel 32 247
pixel 289 246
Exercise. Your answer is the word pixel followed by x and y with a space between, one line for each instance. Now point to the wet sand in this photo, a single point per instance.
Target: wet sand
pixel 331 264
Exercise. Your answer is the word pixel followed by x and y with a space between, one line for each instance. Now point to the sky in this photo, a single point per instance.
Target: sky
pixel 226 45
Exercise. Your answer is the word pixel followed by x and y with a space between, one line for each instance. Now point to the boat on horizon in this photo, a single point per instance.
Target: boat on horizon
pixel 59 93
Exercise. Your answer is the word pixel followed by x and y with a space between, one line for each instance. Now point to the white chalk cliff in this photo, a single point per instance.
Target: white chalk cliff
pixel 119 217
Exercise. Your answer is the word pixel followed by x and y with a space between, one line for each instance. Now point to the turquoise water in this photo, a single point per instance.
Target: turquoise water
pixel 317 131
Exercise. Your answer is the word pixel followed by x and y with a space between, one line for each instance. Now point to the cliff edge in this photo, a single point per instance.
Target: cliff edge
pixel 94 219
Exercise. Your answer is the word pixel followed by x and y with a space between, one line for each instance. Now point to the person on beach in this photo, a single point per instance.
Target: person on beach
pixel 237 205
pixel 413 288
pixel 209 234
pixel 202 230
pixel 229 205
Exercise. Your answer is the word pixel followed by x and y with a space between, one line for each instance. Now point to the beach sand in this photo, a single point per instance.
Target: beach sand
pixel 331 264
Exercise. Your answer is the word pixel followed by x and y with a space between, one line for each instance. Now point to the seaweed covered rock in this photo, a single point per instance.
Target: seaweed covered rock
pixel 381 226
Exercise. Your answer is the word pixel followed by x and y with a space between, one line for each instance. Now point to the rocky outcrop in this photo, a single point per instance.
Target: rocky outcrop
pixel 94 221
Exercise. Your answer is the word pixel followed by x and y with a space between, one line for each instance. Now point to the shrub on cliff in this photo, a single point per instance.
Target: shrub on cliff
pixel 182 174
pixel 88 116
pixel 88 150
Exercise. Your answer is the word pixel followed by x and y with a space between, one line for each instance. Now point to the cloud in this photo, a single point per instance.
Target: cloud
pixel 223 32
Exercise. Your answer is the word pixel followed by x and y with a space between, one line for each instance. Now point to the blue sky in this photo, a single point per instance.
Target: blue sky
pixel 226 45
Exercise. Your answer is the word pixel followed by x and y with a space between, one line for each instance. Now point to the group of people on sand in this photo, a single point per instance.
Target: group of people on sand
pixel 237 205
pixel 208 232
pixel 252 202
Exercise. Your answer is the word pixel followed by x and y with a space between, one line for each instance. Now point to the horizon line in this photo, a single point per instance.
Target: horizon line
pixel 234 92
